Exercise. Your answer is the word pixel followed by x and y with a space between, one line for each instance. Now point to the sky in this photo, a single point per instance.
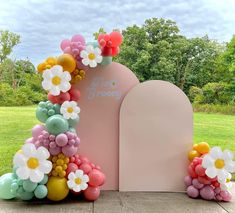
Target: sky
pixel 42 24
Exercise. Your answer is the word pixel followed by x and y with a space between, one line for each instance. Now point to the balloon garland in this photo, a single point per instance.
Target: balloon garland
pixel 209 173
pixel 48 164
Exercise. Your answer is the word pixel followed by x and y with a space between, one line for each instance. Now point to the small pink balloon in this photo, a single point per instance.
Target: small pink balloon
pixel 187 181
pixel 30 140
pixel 72 167
pixel 86 167
pixel 65 43
pixel 37 130
pixel 197 184
pixel 217 190
pixel 192 192
pixel 61 140
pixel 69 150
pixel 96 178
pixel 84 159
pixel 207 193
pixel 68 50
pixel 226 195
pixel 92 193
pixel 78 38
pixel 218 197
pixel 55 150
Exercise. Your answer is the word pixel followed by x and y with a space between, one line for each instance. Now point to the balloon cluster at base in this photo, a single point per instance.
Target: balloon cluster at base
pixel 49 163
pixel 209 173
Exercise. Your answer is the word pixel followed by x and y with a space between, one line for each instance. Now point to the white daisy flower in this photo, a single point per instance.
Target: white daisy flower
pixel 218 163
pixel 91 56
pixel 56 80
pixel 69 109
pixel 32 163
pixel 77 181
pixel 226 183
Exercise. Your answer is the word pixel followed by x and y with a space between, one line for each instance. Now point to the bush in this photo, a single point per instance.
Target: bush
pixel 194 92
pixel 214 93
pixel 214 108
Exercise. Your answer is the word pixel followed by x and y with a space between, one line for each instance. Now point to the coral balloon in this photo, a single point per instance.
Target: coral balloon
pixel 57 188
pixel 59 99
pixel 92 193
pixel 96 178
pixel 72 167
pixel 200 171
pixel 67 62
pixel 116 38
pixel 74 94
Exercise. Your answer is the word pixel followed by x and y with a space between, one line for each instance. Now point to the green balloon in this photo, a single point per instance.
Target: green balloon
pixel 29 186
pixel 71 129
pixel 57 108
pixel 57 124
pixel 106 60
pixel 40 192
pixel 73 122
pixel 93 43
pixel 41 114
pixel 23 195
pixel 5 186
pixel 44 180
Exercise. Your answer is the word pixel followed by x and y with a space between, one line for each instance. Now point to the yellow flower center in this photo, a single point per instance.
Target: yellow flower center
pixel 91 56
pixel 56 80
pixel 32 163
pixel 228 180
pixel 219 164
pixel 70 109
pixel 78 181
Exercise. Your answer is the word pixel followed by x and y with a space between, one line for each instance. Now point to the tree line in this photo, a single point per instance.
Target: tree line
pixel 203 68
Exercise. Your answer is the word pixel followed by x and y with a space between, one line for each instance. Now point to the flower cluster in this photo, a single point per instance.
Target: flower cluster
pixel 209 173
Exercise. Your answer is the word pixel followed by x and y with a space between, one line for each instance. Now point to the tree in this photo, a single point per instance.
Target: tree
pixel 7 41
pixel 100 31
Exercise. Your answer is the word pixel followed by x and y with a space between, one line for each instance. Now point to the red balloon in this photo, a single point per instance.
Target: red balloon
pixel 200 171
pixel 72 167
pixel 96 178
pixel 116 38
pixel 191 172
pixel 92 193
pixel 59 99
pixel 86 167
pixel 115 51
pixel 106 51
pixel 74 94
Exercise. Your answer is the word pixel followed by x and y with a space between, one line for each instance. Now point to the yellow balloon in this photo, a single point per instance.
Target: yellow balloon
pixel 51 60
pixel 203 148
pixel 192 154
pixel 57 188
pixel 41 67
pixel 67 62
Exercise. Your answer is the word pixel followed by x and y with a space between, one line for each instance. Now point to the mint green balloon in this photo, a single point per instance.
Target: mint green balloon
pixel 57 124
pixel 57 108
pixel 44 180
pixel 41 114
pixel 73 122
pixel 23 195
pixel 41 191
pixel 106 60
pixel 93 43
pixel 29 186
pixel 5 186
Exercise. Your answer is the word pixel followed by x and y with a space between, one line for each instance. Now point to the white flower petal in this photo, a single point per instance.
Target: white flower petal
pixel 84 54
pixel 92 63
pixel 77 109
pixel 71 176
pixel 90 49
pixel 57 70
pixel 79 173
pixel 77 188
pixel 67 115
pixel 222 174
pixel 55 90
pixel 211 172
pixel 230 166
pixel 36 175
pixel 83 186
pixel 47 74
pixel 207 161
pixel 29 150
pixel 98 59
pixel 42 153
pixel 73 115
pixel 228 155
pixel 71 184
pixel 19 160
pixel 64 86
pixel 73 104
pixel 97 51
pixel 66 76
pixel 216 153
pixel 85 61
pixel 45 167
pixel 23 172
pixel 85 178
pixel 46 84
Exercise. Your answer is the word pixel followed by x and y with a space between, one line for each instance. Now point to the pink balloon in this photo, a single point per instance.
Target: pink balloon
pixel 207 193
pixel 96 178
pixel 197 184
pixel 37 130
pixel 92 193
pixel 192 192
pixel 72 167
pixel 187 181
pixel 30 140
pixel 69 150
pixel 55 150
pixel 226 195
pixel 65 43
pixel 86 167
pixel 78 38
pixel 68 50
pixel 61 140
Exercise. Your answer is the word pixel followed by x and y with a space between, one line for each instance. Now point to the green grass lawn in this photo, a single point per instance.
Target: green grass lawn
pixel 16 124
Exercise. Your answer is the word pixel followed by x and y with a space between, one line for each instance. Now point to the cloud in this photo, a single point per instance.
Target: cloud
pixel 43 24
